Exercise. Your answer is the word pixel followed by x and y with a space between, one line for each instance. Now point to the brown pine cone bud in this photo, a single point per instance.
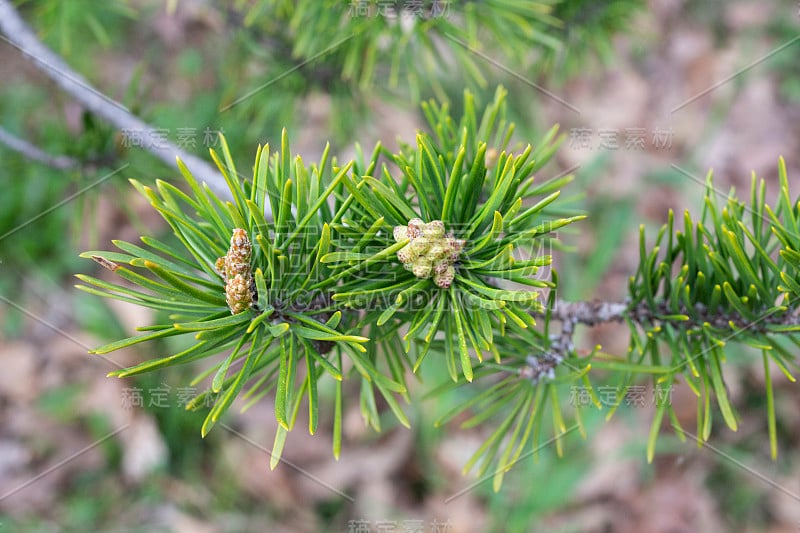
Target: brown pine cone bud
pixel 455 246
pixel 415 226
pixel 441 267
pixel 235 268
pixel 237 294
pixel 445 279
pixel 219 266
pixel 238 258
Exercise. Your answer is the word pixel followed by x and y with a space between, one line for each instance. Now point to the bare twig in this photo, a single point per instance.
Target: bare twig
pixel 19 35
pixel 593 313
pixel 34 153
pixel 589 313
pixel 596 312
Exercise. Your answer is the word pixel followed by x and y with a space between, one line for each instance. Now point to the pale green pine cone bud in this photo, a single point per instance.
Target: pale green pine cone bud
pixel 422 270
pixel 430 252
pixel 437 251
pixel 434 229
pixel 400 233
pixel 420 246
pixel 405 255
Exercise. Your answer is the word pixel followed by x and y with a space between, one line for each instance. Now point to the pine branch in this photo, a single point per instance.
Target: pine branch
pixel 369 267
pixel 592 313
pixel 588 313
pixel 18 34
pixel 34 153
pixel 700 314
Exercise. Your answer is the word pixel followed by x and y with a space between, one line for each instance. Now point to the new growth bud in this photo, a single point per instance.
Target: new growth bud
pixel 445 278
pixel 237 294
pixel 400 233
pixel 235 269
pixel 430 252
pixel 434 229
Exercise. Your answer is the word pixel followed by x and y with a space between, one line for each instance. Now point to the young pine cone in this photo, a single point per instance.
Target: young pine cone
pixel 235 269
pixel 430 251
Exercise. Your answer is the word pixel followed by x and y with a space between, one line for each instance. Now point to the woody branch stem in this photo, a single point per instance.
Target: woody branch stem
pixel 18 34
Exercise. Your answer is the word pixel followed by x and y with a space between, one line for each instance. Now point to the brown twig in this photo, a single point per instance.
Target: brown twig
pixel 19 35
pixel 569 314
pixel 34 153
